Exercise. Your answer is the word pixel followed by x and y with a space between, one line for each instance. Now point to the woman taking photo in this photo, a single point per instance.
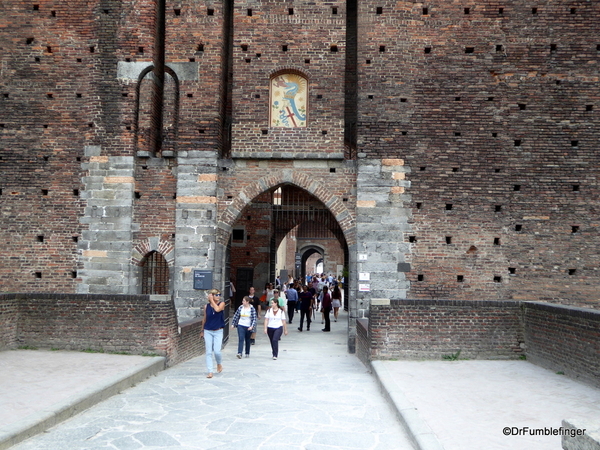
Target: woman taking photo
pixel 213 323
pixel 245 321
pixel 275 325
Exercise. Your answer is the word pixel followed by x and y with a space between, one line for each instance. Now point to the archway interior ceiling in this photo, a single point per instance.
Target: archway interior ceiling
pixel 292 206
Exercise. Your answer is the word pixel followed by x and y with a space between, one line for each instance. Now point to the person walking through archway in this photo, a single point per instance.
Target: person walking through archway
pixel 213 323
pixel 292 299
pixel 326 308
pixel 336 301
pixel 307 300
pixel 275 326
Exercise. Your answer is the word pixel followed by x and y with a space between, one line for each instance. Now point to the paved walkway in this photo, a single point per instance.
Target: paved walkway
pixel 315 396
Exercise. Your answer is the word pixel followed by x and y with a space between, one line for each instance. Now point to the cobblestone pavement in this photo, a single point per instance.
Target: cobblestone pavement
pixel 315 396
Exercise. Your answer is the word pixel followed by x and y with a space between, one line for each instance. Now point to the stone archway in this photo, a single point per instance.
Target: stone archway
pixel 334 204
pixel 234 211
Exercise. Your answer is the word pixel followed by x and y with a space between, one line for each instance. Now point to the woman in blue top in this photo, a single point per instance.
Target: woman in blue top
pixel 213 323
pixel 245 321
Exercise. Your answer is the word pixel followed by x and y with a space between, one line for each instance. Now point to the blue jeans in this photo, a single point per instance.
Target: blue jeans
pixel 213 341
pixel 244 336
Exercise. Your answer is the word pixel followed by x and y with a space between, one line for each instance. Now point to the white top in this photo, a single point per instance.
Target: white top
pixel 275 320
pixel 245 319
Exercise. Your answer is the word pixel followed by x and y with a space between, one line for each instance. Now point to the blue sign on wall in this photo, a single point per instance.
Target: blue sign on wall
pixel 203 279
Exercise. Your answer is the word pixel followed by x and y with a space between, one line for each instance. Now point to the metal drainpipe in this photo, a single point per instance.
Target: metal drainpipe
pixel 158 78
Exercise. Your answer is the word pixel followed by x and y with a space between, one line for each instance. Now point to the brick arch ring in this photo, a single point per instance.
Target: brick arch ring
pixel 287 176
pixel 153 244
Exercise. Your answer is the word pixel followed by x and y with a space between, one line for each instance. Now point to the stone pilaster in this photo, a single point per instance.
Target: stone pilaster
pixel 381 221
pixel 105 246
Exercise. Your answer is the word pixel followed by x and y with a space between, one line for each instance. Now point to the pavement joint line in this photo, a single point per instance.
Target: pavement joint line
pixel 417 429
pixel 41 421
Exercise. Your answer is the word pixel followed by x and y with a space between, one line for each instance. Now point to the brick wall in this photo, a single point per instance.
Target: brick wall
pixel 562 338
pixel 134 324
pixel 9 315
pixel 494 109
pixel 565 339
pixel 434 328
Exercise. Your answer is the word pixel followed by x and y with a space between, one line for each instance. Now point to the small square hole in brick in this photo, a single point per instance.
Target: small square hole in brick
pixel 412 239
pixel 469 49
pixel 200 47
pixel 332 170
pixel 574 143
pixel 499 48
pixel 573 11
pixel 78 95
pixel 334 10
pixel 379 10
pixel 368 61
pixel 45 191
pixel 319 96
pixel 264 131
pixel 256 95
pixel 382 48
pixel 402 100
pixel 40 238
pixel 497 279
pixel 307 61
pixel 517 187
pixel 500 11
pixel 518 227
pixel 467 10
pixel 92 49
pixel 455 169
pixel 419 205
pixel 177 11
pixel 334 48
pixel 76 192
pixel 249 12
pixel 137 195
pixel 534 10
pixel 290 11
pixel 496 241
pixel 140 50
pixel 572 271
pixel 457 99
pixel 370 97
pixel 420 277
pixel 284 48
pixel 512 270
pixel 574 229
pixel 422 168
pixel 517 142
pixel 575 188
pixel 73 274
pixel 457 133
pixel 38 274
pixel 494 134
pixel 497 208
pixel 553 47
pixel 425 11
pixel 75 238
pixel 589 107
pixel 248 60
pixel 36 7
pixel 211 12
pixel 460 278
pixel 192 59
pixel 448 206
pixel 448 239
pixel 427 50
pixel 29 40
pixel 324 132
pixel 522 106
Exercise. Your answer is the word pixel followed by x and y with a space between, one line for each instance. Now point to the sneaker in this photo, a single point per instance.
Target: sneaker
pixel 247 355
pixel 300 329
pixel 239 356
pixel 274 357
pixel 252 341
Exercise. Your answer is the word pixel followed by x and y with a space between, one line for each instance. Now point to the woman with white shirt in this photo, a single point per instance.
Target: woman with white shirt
pixel 275 325
pixel 245 321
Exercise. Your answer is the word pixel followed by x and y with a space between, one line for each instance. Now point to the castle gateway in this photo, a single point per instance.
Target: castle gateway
pixel 429 150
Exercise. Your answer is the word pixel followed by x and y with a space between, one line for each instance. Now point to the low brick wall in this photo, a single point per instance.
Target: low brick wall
pixel 9 314
pixel 564 338
pixel 134 324
pixel 432 329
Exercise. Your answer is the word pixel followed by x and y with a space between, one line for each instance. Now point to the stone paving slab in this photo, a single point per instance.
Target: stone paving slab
pixel 39 389
pixel 467 404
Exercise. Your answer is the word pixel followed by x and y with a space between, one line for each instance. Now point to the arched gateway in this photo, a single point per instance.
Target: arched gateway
pixel 254 224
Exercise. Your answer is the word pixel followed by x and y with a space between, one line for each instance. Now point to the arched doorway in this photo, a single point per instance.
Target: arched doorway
pixel 283 215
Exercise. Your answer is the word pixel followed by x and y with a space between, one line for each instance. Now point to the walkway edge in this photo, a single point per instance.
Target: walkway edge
pixel 59 412
pixel 419 432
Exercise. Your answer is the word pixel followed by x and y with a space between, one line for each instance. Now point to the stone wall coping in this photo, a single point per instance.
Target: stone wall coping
pixel 471 303
pixel 574 311
pixel 286 155
pixel 50 296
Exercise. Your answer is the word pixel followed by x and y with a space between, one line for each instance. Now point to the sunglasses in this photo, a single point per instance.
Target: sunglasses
pixel 217 295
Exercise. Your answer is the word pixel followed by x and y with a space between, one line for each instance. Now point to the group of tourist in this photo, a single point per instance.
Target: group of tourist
pixel 279 304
